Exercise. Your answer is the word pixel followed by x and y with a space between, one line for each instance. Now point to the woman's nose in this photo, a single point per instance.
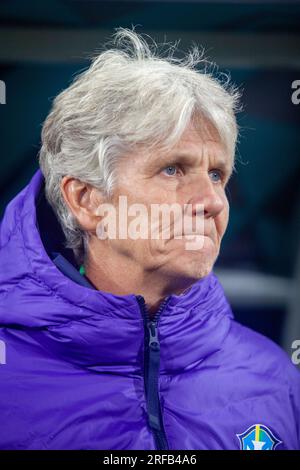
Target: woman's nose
pixel 206 198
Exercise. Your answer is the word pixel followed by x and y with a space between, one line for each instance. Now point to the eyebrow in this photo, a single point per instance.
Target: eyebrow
pixel 189 159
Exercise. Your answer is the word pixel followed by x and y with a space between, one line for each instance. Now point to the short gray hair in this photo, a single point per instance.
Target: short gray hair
pixel 130 95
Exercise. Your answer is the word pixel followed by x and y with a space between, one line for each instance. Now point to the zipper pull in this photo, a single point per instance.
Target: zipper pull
pixel 153 336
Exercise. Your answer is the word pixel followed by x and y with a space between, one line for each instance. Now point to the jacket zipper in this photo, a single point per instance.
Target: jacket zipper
pixel 151 375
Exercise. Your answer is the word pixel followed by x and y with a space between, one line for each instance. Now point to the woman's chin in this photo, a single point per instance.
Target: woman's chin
pixel 196 263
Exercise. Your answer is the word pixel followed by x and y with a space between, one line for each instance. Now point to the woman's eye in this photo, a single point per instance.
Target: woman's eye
pixel 170 170
pixel 216 175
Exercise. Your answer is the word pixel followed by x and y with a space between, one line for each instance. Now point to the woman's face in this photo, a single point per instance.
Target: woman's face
pixel 193 176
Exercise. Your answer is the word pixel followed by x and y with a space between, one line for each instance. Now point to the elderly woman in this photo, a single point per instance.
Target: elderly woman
pixel 128 342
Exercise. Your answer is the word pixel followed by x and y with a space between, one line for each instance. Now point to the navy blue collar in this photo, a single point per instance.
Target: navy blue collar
pixel 69 270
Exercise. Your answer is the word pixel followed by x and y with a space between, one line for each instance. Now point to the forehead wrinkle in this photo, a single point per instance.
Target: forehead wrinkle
pixel 218 160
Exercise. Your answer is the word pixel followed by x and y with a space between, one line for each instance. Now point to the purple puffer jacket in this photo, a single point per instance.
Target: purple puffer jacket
pixel 84 369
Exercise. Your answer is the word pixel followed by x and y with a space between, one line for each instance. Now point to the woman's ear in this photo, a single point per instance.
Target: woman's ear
pixel 83 200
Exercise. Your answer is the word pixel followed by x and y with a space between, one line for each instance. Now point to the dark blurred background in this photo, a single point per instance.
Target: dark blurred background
pixel 44 43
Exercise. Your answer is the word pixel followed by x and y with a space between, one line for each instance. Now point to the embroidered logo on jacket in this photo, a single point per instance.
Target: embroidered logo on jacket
pixel 258 437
